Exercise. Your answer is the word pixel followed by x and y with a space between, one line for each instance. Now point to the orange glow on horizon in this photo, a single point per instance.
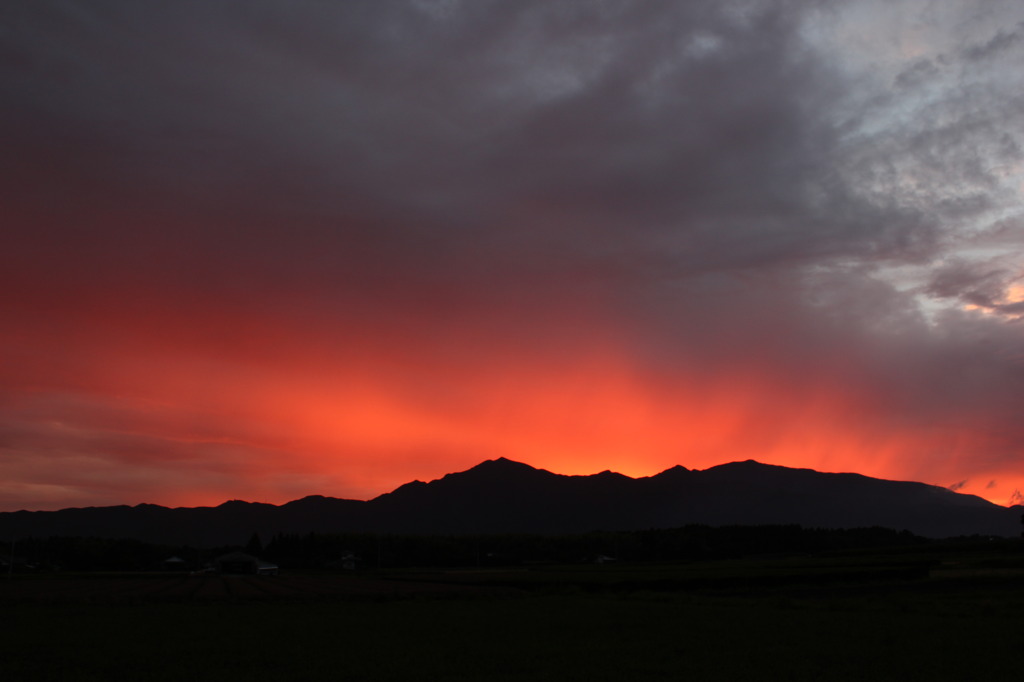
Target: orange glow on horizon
pixel 276 434
pixel 173 419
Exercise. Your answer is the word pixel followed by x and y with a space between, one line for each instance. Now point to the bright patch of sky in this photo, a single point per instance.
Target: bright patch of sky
pixel 936 114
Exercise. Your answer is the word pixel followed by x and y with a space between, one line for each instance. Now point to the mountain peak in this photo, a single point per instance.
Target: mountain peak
pixel 610 475
pixel 752 465
pixel 233 504
pixel 501 468
pixel 677 469
pixel 502 464
pixel 746 463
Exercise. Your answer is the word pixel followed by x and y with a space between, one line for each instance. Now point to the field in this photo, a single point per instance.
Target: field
pixel 936 613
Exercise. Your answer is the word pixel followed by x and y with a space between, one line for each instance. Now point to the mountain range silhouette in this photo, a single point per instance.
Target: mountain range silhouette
pixel 502 496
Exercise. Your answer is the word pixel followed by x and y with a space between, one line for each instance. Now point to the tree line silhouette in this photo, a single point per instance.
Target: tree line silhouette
pixel 368 551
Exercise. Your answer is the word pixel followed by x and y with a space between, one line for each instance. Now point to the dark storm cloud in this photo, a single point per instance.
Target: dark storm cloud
pixel 456 145
pixel 488 147
pixel 436 136
pixel 696 129
pixel 979 284
pixel 1003 41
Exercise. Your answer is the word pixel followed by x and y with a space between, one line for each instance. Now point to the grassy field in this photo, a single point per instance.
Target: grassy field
pixel 913 615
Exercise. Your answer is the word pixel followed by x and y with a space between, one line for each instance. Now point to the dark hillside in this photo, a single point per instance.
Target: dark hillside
pixel 501 496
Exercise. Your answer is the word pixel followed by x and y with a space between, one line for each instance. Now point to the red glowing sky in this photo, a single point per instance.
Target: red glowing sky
pixel 332 250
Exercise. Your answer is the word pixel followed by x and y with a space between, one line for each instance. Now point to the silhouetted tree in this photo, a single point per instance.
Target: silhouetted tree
pixel 254 546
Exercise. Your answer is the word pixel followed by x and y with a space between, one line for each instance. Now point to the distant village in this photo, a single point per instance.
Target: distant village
pixel 364 551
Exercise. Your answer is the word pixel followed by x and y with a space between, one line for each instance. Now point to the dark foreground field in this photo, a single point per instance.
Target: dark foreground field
pixel 935 614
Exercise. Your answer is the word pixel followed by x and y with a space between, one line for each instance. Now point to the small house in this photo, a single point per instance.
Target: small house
pixel 240 563
pixel 174 563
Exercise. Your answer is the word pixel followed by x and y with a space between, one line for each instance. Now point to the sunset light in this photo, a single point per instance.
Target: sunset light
pixel 336 250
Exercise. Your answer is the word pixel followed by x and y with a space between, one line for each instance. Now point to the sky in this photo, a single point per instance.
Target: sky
pixel 261 250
